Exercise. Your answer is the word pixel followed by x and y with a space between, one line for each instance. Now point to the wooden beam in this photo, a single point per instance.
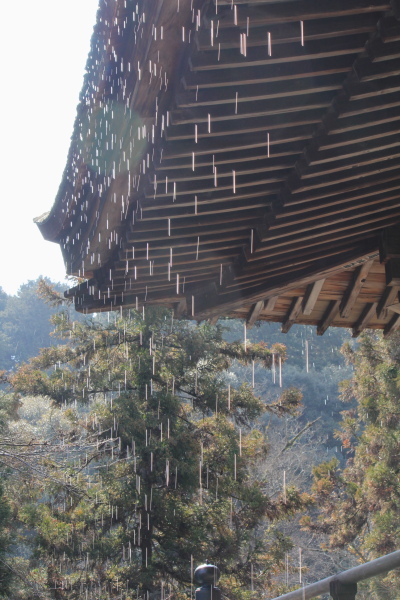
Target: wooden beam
pixel 309 247
pixel 364 318
pixel 285 72
pixel 217 97
pixel 293 313
pixel 242 126
pixel 250 168
pixel 393 324
pixel 252 109
pixel 341 180
pixel 232 300
pixel 254 313
pixel 269 304
pixel 243 143
pixel 316 228
pixel 330 314
pixel 395 307
pixel 288 263
pixel 353 223
pixel 311 296
pixel 374 194
pixel 351 294
pixel 284 53
pixel 307 11
pixel 353 151
pixel 285 32
pixel 388 297
pixel 369 71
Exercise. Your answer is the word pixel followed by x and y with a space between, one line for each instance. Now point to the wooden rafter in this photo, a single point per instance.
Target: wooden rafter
pixel 293 313
pixel 358 280
pixel 392 326
pixel 311 296
pixel 365 317
pixel 330 314
pixel 388 297
pixel 254 313
pixel 257 172
pixel 269 304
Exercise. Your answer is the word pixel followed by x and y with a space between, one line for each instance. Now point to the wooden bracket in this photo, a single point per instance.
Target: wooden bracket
pixel 389 296
pixel 392 326
pixel 254 313
pixel 343 591
pixel 269 304
pixel 311 296
pixel 351 294
pixel 329 315
pixel 294 311
pixel 364 318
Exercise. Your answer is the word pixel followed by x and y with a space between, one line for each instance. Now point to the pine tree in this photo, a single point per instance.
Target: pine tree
pixel 172 481
pixel 360 503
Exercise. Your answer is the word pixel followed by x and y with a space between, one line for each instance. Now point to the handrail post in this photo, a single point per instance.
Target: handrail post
pixel 343 591
pixel 207 576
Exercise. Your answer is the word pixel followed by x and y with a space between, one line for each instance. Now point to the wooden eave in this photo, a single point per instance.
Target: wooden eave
pixel 237 159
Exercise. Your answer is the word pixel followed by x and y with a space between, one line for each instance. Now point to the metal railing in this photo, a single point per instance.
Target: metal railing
pixel 347 578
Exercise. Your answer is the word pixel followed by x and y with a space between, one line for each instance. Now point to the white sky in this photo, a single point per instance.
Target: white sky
pixel 44 46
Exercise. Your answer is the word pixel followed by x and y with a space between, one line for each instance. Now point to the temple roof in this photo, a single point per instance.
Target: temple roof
pixel 238 159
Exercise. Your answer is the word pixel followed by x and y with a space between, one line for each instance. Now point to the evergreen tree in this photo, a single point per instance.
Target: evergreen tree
pixel 176 482
pixel 360 504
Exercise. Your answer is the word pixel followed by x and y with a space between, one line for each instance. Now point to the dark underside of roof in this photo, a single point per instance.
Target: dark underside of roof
pixel 238 159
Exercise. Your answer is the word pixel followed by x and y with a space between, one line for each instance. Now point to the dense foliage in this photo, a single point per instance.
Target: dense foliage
pixel 172 478
pixel 360 504
pixel 116 406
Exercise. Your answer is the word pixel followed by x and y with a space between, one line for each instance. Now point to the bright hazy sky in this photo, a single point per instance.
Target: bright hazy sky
pixel 44 45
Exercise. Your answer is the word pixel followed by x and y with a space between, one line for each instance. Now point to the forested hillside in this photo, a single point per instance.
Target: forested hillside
pixel 25 325
pixel 314 364
pixel 134 446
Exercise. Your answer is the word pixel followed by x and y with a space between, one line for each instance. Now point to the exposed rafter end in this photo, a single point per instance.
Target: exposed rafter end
pixel 393 324
pixel 311 296
pixel 388 297
pixel 364 319
pixel 293 313
pixel 330 314
pixel 254 313
pixel 351 294
pixel 269 304
pixel 395 306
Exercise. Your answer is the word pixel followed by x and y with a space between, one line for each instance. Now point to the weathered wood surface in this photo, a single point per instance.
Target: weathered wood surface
pixel 243 155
